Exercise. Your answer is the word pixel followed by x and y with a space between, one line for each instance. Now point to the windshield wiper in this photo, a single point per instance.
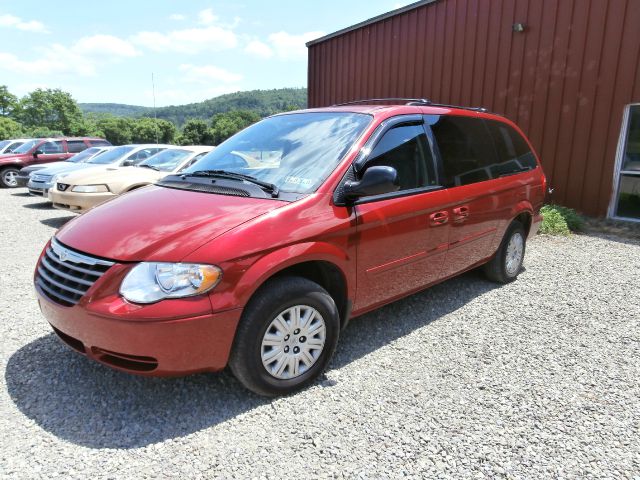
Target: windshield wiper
pixel 148 166
pixel 270 187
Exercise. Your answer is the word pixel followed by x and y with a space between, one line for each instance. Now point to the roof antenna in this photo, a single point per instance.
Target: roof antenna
pixel 155 117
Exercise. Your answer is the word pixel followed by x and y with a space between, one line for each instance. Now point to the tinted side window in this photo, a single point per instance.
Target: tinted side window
pixel 514 154
pixel 405 148
pixel 51 147
pixel 466 149
pixel 76 146
pixel 99 143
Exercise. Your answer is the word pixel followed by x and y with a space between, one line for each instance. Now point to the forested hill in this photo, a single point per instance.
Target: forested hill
pixel 263 102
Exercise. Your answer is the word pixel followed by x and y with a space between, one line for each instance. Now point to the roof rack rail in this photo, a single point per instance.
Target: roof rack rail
pixel 446 105
pixel 410 101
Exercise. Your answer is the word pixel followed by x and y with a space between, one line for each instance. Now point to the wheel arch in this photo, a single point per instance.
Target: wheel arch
pixel 322 263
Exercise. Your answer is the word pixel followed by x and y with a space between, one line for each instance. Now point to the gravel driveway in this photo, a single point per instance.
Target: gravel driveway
pixel 539 378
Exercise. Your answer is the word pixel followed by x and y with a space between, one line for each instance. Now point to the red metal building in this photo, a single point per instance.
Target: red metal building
pixel 567 71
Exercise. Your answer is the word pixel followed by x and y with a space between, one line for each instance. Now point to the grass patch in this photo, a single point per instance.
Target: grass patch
pixel 559 220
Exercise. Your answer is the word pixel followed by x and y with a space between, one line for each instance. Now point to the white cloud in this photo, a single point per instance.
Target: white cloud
pixel 82 58
pixel 282 45
pixel 208 73
pixel 11 21
pixel 106 46
pixel 259 49
pixel 207 17
pixel 177 17
pixel 48 63
pixel 189 41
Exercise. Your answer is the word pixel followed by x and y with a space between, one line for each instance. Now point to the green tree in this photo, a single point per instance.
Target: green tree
pixel 8 101
pixel 10 128
pixel 43 132
pixel 195 132
pixel 50 108
pixel 224 125
pixel 150 130
pixel 118 130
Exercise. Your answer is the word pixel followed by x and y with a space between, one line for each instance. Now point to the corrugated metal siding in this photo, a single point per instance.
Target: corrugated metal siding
pixel 565 80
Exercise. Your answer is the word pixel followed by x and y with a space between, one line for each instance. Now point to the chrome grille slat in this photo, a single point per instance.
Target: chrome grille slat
pixel 60 285
pixel 65 275
pixel 72 266
pixel 56 295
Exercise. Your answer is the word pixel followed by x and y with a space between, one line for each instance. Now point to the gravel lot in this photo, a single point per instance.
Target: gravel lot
pixel 540 378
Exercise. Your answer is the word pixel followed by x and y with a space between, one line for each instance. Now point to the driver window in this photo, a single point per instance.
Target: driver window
pixel 51 147
pixel 405 148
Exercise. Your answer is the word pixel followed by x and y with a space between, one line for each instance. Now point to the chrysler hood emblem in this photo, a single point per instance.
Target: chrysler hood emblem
pixel 63 255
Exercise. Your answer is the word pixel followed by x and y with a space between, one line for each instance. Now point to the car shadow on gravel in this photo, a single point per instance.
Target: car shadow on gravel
pixel 21 194
pixel 91 405
pixel 56 222
pixel 39 205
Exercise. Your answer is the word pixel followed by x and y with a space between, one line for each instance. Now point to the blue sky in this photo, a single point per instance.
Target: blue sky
pixel 106 51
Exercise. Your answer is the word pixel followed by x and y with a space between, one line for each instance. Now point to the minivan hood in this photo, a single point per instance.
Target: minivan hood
pixel 159 223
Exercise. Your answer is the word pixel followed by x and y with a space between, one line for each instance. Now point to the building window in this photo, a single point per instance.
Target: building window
pixel 627 194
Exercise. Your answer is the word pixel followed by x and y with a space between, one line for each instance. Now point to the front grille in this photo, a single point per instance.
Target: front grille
pixel 65 275
pixel 41 178
pixel 63 186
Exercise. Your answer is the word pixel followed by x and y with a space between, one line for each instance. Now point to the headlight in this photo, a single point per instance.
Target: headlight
pixel 151 282
pixel 90 188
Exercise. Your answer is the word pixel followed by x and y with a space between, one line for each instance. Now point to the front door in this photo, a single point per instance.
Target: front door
pixel 402 237
pixel 51 152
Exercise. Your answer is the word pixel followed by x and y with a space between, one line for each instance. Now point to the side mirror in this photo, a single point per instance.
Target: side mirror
pixel 128 163
pixel 37 152
pixel 375 181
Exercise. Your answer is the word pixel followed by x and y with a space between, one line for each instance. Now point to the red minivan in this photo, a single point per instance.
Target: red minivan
pixel 257 255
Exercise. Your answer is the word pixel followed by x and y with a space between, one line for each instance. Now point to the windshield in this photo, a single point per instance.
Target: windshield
pixel 84 155
pixel 296 152
pixel 4 143
pixel 25 147
pixel 111 156
pixel 167 160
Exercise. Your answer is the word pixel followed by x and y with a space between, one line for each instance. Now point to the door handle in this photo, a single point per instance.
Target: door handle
pixel 461 213
pixel 439 218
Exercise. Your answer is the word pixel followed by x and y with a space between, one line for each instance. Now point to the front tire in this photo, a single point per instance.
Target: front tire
pixel 9 177
pixel 506 265
pixel 286 337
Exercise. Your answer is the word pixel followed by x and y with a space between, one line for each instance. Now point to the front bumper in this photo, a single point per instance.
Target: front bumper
pixel 77 202
pixel 22 179
pixel 39 189
pixel 153 347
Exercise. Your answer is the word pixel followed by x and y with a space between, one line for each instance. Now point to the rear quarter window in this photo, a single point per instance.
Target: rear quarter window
pixel 76 146
pixel 513 152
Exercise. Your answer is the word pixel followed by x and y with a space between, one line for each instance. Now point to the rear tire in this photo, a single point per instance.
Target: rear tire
pixel 8 177
pixel 286 337
pixel 506 265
